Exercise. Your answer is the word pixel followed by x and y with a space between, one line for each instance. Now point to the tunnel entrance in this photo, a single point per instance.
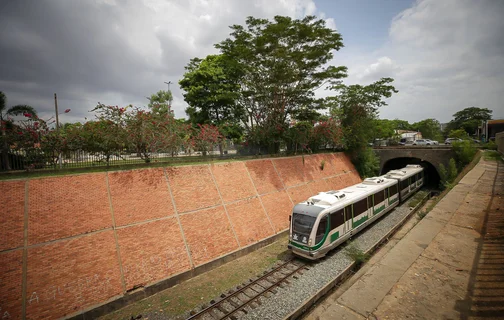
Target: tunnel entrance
pixel 432 178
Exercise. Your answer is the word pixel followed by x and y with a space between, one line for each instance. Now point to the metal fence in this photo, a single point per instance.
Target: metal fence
pixel 36 160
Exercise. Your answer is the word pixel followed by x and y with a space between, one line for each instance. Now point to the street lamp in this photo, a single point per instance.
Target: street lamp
pixel 168 83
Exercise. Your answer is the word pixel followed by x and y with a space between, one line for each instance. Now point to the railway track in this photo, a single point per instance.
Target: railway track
pixel 237 302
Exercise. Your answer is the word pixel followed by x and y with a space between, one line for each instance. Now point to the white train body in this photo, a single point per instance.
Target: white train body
pixel 329 218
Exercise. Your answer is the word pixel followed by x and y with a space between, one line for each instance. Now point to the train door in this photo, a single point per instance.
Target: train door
pixel 348 219
pixel 370 204
pixel 387 197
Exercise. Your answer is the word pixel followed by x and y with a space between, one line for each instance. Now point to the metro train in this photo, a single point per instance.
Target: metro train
pixel 329 218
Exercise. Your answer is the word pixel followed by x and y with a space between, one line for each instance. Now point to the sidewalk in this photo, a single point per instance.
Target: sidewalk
pixel 448 266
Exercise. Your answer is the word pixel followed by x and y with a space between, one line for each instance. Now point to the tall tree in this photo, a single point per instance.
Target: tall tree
pixel 356 107
pixel 6 121
pixel 430 129
pixel 469 119
pixel 211 89
pixel 282 63
pixel 160 102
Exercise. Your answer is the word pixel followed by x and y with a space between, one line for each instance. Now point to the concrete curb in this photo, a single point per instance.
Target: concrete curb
pixel 348 270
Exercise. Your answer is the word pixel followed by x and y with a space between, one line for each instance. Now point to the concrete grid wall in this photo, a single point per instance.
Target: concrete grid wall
pixel 72 243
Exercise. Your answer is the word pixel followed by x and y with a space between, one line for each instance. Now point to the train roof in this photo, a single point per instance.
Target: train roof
pixel 405 172
pixel 336 199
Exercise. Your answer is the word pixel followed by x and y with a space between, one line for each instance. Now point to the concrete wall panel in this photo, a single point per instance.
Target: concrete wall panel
pixel 66 206
pixel 139 195
pixel 226 175
pixel 209 234
pixel 70 275
pixel 152 251
pixel 12 214
pixel 249 221
pixel 11 277
pixel 264 176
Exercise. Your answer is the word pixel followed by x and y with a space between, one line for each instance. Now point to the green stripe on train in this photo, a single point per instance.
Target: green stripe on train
pixel 334 236
pixel 359 222
pixel 380 209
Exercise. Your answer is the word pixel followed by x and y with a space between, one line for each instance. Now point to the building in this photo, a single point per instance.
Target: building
pixel 488 129
pixel 408 136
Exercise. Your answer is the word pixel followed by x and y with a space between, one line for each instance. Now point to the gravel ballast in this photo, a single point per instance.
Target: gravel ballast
pixel 288 299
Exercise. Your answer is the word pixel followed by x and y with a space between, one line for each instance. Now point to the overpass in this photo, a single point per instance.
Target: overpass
pixel 430 157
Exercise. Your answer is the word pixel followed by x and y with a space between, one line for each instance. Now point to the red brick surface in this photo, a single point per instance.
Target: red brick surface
pixel 319 186
pixel 335 183
pixel 208 233
pixel 11 277
pixel 311 168
pixel 233 181
pixel 290 170
pixel 12 214
pixel 279 207
pixel 264 176
pixel 139 195
pixel 249 220
pixel 299 193
pixel 67 276
pixel 193 188
pixel 152 252
pixel 66 206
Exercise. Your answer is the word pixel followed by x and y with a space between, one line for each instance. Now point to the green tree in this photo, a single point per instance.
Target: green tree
pixel 469 119
pixel 401 124
pixel 458 133
pixel 160 102
pixel 357 107
pixel 383 129
pixel 430 129
pixel 6 122
pixel 281 62
pixel 211 90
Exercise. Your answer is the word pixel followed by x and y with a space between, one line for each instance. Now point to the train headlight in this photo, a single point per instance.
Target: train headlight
pixel 309 242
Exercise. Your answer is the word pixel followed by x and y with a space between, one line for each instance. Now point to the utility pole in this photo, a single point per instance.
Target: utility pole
pixel 168 83
pixel 57 126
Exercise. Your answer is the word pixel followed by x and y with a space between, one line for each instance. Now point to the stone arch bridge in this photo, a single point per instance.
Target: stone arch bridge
pixel 430 157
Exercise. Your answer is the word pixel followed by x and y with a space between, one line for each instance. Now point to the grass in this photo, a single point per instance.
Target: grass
pixel 175 302
pixel 356 254
pixel 492 155
pixel 417 198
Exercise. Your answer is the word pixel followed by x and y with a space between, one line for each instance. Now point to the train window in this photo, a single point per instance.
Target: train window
pixel 392 190
pixel 321 230
pixel 379 197
pixel 337 219
pixel 404 184
pixel 370 201
pixel 360 207
pixel 413 178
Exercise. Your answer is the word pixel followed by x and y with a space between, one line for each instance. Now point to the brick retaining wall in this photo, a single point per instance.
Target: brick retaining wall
pixel 72 243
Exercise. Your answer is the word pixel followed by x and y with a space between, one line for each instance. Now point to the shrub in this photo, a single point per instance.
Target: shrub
pixel 367 163
pixel 356 254
pixel 464 152
pixel 448 175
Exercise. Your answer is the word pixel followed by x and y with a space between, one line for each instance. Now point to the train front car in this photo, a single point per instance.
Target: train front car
pixel 329 218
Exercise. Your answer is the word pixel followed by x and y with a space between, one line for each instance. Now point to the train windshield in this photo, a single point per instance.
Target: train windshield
pixel 302 226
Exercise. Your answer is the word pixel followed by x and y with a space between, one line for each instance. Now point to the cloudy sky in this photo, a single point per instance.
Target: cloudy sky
pixel 445 55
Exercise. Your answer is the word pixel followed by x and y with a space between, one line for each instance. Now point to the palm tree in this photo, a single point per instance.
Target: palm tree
pixel 5 119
